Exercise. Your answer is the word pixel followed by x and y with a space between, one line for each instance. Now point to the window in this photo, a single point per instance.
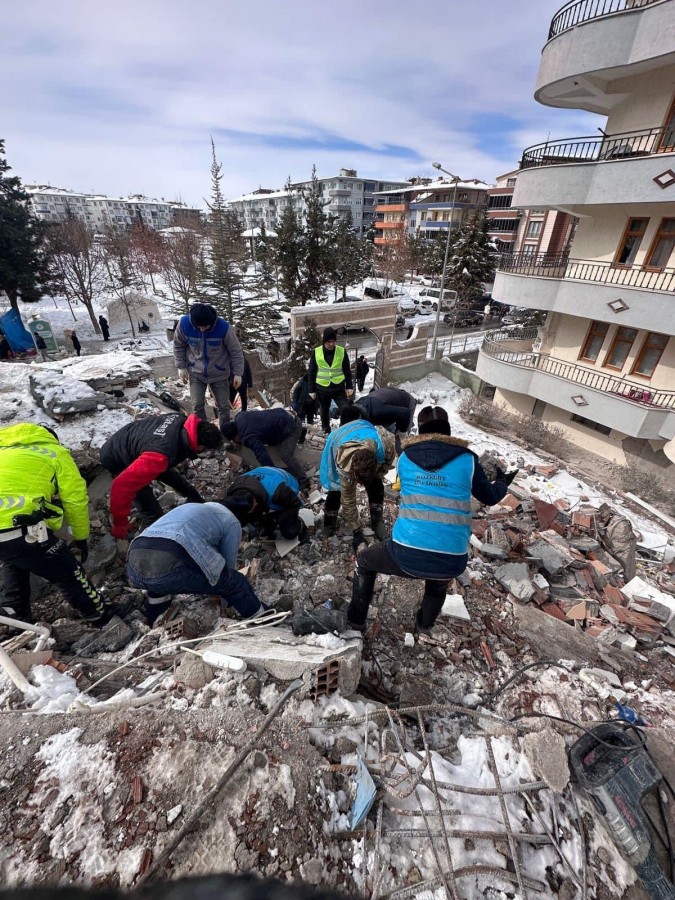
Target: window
pixel 635 231
pixel 533 229
pixel 510 182
pixel 667 143
pixel 650 354
pixel 662 245
pixel 621 346
pixel 588 423
pixel 594 341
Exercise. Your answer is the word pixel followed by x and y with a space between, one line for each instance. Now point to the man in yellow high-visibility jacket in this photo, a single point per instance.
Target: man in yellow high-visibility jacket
pixel 330 377
pixel 40 487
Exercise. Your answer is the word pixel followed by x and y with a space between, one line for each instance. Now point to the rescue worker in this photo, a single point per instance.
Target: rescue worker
pixel 191 550
pixel 206 352
pixel 34 469
pixel 437 476
pixel 246 383
pixel 146 450
pixel 362 369
pixel 270 497
pixel 330 377
pixel 275 427
pixel 391 407
pixel 357 453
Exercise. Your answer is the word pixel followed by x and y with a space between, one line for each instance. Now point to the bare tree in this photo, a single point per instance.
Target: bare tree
pixel 183 264
pixel 120 263
pixel 77 259
pixel 149 249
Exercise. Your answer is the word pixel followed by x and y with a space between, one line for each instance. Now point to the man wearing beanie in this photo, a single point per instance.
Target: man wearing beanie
pixel 330 376
pixel 206 352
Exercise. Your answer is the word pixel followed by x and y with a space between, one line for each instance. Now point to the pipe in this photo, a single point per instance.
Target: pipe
pixel 43 632
pixel 15 676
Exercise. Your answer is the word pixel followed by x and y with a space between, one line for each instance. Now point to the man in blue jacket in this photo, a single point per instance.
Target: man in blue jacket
pixel 269 497
pixel 272 427
pixel 207 352
pixel 191 550
pixel 437 475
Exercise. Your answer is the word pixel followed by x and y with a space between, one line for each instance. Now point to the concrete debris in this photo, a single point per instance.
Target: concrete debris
pixel 515 578
pixel 547 753
pixel 60 395
pixel 455 608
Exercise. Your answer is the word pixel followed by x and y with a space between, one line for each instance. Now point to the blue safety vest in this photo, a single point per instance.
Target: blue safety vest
pixel 270 478
pixel 435 507
pixel 352 432
pixel 206 347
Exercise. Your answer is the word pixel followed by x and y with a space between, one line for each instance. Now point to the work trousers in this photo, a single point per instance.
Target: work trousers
pixel 286 450
pixel 376 559
pixel 325 396
pixel 243 394
pixel 221 392
pixel 53 561
pixel 374 490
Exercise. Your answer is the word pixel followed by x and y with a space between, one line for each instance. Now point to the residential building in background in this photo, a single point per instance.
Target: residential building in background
pixel 52 204
pixel 343 193
pixel 426 207
pixel 603 365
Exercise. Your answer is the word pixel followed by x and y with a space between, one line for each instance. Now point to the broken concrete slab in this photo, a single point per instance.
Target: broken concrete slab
pixel 113 636
pixel 455 608
pixel 547 753
pixel 515 578
pixel 60 395
pixel 491 551
pixel 551 551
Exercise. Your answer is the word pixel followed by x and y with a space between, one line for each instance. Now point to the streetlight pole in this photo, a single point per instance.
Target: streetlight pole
pixel 456 180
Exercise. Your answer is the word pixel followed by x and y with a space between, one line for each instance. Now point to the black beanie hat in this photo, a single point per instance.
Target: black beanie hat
pixel 433 420
pixel 202 314
pixel 329 334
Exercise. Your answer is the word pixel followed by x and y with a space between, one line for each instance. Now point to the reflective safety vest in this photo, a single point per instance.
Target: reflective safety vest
pixel 270 478
pixel 353 432
pixel 333 374
pixel 435 506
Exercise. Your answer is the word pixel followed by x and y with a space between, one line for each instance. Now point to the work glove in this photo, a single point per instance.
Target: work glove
pixel 349 393
pixel 358 538
pixel 120 531
pixel 506 477
pixel 313 396
pixel 236 382
pixel 183 375
pixel 82 550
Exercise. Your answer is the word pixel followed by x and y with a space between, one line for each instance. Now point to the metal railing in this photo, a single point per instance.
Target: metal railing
pixel 578 11
pixel 600 148
pixel 496 343
pixel 558 265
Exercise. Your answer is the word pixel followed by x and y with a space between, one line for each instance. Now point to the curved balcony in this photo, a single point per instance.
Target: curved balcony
pixel 600 148
pixel 594 43
pixel 508 360
pixel 586 287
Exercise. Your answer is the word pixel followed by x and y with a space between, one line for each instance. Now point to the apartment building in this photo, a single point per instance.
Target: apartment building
pixel 603 365
pixel 52 204
pixel 342 193
pixel 426 207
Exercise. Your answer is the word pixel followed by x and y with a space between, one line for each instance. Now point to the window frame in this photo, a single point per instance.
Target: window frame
pixel 668 129
pixel 647 266
pixel 644 349
pixel 626 234
pixel 616 340
pixel 592 331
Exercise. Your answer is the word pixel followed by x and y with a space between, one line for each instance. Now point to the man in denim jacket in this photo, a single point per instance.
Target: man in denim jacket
pixel 191 550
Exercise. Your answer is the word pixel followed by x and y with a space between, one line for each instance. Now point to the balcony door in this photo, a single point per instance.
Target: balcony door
pixel 667 142
pixel 662 246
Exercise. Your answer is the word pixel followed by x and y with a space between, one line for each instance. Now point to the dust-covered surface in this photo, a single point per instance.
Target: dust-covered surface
pixel 106 766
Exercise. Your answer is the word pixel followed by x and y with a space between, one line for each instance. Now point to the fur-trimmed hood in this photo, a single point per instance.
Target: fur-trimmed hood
pixel 433 451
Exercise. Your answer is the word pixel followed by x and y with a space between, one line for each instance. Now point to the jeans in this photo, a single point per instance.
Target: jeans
pixel 286 449
pixel 170 570
pixel 243 395
pixel 378 558
pixel 374 491
pixel 221 392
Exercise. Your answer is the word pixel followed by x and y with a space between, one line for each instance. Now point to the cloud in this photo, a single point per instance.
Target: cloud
pixel 123 97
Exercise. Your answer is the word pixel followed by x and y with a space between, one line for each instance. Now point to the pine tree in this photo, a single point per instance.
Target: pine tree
pixel 315 247
pixel 472 261
pixel 289 253
pixel 349 256
pixel 264 252
pixel 302 350
pixel 24 270
pixel 221 278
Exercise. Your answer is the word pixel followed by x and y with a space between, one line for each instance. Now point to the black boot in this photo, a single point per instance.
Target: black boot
pixel 329 524
pixel 362 594
pixel 377 521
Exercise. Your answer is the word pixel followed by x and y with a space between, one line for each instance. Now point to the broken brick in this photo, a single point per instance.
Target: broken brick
pixel 553 610
pixel 546 513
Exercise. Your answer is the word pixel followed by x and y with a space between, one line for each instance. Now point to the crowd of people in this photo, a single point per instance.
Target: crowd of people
pixel 192 548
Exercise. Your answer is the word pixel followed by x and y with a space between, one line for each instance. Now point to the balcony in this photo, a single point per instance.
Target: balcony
pixel 339 192
pixel 391 207
pixel 592 44
pixel 498 226
pixel 508 360
pixel 598 169
pixel 586 287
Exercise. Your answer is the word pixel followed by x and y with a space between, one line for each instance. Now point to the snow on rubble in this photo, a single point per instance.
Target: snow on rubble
pixel 98 786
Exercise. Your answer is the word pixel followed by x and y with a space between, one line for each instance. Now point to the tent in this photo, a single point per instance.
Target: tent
pixel 141 309
pixel 20 340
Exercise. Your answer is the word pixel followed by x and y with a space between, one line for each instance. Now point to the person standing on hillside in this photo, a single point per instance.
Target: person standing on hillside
pixel 75 341
pixel 206 352
pixel 105 329
pixel 362 369
pixel 330 376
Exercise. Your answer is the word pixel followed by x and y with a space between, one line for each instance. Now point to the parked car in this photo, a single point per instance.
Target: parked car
pixel 430 297
pixel 351 328
pixel 350 298
pixel 463 318
pixel 429 280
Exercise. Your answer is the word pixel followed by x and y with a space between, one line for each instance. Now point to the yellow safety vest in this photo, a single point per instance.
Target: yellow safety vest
pixel 327 375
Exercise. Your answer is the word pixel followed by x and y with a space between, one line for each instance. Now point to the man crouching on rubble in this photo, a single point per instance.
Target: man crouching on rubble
pixel 357 453
pixel 269 497
pixel 148 449
pixel 191 550
pixel 34 469
pixel 437 476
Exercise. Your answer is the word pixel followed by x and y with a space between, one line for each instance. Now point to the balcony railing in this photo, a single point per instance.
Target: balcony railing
pixel 558 265
pixel 496 345
pixel 578 11
pixel 600 148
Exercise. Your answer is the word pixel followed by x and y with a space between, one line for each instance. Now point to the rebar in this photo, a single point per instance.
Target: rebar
pixel 432 883
pixel 554 840
pixel 523 837
pixel 505 814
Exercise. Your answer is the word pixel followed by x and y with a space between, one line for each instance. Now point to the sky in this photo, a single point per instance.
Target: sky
pixel 124 97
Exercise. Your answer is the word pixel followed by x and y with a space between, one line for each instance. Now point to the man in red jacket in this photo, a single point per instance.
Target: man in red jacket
pixel 147 450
